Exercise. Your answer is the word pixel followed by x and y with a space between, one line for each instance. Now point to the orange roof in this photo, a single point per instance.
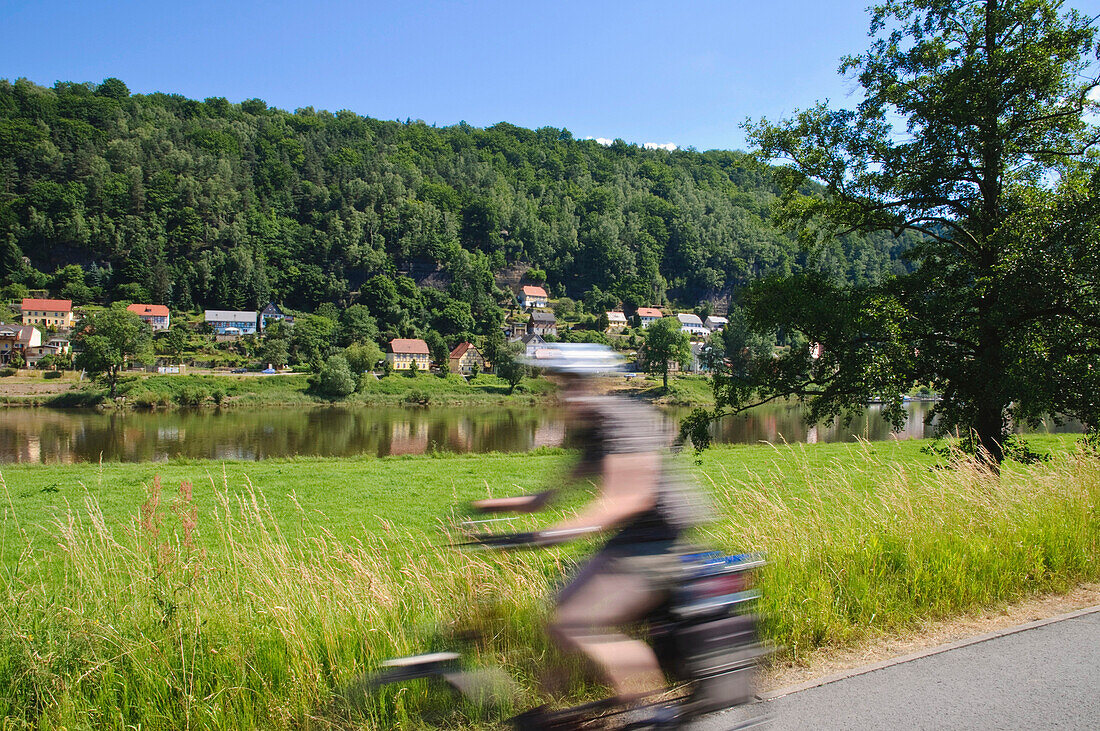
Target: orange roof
pixel 460 349
pixel 534 291
pixel 48 305
pixel 149 310
pixel 411 346
pixel 649 312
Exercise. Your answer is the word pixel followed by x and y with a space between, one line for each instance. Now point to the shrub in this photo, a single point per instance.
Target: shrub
pixel 192 396
pixel 335 380
pixel 51 374
pixel 6 372
pixel 146 399
pixel 418 398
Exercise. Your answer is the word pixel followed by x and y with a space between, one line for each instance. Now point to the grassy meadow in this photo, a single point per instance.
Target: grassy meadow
pixel 242 595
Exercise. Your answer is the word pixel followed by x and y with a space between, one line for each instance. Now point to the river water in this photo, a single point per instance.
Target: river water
pixel 57 436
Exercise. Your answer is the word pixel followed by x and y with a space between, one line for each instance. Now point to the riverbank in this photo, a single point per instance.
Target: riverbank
pixel 158 391
pixel 247 390
pixel 254 592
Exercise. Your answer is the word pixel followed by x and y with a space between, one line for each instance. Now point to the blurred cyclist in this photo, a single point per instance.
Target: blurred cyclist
pixel 623 445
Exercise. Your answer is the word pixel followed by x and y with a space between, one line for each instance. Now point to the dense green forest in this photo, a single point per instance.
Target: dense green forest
pixel 105 195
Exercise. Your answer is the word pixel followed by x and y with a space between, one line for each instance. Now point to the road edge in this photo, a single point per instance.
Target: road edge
pixel 965 642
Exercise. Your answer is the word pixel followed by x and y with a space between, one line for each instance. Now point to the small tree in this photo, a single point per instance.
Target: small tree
pixel 665 343
pixel 335 380
pixel 413 369
pixel 363 357
pixel 107 340
pixel 511 370
pixel 275 352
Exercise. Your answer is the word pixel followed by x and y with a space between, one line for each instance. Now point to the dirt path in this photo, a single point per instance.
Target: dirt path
pixel 829 661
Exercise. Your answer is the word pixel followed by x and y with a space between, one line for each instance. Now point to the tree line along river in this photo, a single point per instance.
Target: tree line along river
pixel 58 436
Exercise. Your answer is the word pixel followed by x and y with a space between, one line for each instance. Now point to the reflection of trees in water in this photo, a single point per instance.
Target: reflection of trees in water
pixel 47 435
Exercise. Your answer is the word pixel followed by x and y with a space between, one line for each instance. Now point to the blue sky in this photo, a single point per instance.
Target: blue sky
pixel 686 72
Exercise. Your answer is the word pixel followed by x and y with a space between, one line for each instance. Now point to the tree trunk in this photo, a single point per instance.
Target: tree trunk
pixel 666 376
pixel 989 430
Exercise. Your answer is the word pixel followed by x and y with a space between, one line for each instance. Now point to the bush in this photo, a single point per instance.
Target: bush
pixel 218 396
pixel 146 399
pixel 418 398
pixel 51 374
pixel 335 380
pixel 192 396
pixel 6 372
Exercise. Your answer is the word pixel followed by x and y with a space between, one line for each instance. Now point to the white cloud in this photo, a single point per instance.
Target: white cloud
pixel 670 146
pixel 602 140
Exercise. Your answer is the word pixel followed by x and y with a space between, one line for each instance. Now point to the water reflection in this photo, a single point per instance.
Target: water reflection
pixel 45 435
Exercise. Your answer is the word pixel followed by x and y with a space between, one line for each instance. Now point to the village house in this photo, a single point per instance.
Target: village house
pixel 157 316
pixel 271 314
pixel 530 296
pixel 692 325
pixel 714 322
pixel 229 324
pixel 465 356
pixel 532 344
pixel 649 315
pixel 616 320
pixel 18 339
pixel 543 323
pixel 53 346
pixel 406 351
pixel 57 314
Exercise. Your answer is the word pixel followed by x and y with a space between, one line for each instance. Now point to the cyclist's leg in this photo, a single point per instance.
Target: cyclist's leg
pixel 602 598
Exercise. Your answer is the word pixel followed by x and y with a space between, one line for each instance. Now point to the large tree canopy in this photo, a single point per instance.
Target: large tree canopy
pixel 973 133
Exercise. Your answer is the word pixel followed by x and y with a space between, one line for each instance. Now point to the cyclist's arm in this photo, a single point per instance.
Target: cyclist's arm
pixel 628 488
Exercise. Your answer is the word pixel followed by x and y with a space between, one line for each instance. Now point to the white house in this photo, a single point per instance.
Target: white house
pixel 530 296
pixel 616 320
pixel 232 322
pixel 691 324
pixel 18 339
pixel 157 316
pixel 649 315
pixel 532 343
pixel 714 322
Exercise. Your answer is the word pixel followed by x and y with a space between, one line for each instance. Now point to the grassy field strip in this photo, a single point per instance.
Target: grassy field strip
pixel 244 595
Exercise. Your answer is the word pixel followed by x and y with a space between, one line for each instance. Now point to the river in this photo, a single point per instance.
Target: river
pixel 57 436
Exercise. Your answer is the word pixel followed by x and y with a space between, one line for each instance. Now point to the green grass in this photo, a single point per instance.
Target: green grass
pixel 165 391
pixel 252 597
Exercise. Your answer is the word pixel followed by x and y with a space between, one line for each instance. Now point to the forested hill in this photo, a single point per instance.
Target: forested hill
pixel 166 199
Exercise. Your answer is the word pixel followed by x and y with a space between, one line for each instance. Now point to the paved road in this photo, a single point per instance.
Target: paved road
pixel 1042 678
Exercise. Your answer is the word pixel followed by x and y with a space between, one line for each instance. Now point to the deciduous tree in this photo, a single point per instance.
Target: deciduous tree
pixel 664 344
pixel 973 133
pixel 107 340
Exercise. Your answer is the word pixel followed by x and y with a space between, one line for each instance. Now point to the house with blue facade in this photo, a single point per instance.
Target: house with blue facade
pixel 232 322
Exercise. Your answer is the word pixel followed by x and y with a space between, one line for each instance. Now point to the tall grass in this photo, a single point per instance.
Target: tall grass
pixel 184 618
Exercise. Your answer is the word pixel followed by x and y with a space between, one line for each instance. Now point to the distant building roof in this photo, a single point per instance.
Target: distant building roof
pixel 271 309
pixel 21 333
pixel 649 312
pixel 149 310
pixel 534 291
pixel 47 305
pixel 717 320
pixel 462 348
pixel 543 317
pixel 532 338
pixel 230 316
pixel 409 346
pixel 616 316
pixel 689 318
